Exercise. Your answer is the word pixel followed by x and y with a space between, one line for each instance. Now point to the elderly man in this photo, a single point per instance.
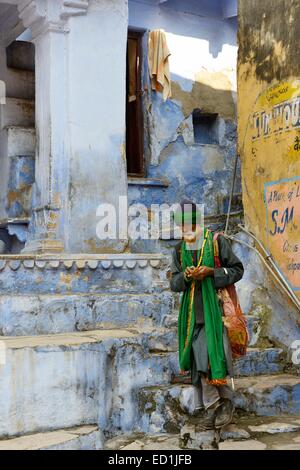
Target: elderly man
pixel 203 342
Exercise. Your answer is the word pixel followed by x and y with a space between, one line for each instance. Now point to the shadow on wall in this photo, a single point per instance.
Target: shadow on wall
pixel 262 299
pixel 211 92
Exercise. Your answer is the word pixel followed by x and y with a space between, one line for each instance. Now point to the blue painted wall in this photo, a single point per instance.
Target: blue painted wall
pixel 203 67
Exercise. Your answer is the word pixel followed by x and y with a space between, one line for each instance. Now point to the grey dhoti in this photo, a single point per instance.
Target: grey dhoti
pixel 208 394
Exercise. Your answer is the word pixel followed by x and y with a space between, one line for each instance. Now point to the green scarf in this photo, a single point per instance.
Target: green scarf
pixel 212 314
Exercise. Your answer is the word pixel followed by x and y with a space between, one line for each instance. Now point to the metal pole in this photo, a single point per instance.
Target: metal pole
pixel 231 194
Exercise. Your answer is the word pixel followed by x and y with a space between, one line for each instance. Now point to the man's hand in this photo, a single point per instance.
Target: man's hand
pixel 188 272
pixel 198 274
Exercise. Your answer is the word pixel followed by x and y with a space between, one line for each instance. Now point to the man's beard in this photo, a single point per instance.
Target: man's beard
pixel 190 237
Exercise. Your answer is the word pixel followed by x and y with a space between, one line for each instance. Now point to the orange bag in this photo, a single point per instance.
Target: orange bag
pixel 235 320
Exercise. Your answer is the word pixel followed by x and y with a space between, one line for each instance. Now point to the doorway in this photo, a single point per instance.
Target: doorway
pixel 134 106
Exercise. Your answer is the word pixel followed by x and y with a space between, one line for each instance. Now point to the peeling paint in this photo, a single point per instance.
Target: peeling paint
pixel 269 118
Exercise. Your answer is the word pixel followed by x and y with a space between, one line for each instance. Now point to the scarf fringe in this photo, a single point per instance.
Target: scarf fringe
pixel 217 382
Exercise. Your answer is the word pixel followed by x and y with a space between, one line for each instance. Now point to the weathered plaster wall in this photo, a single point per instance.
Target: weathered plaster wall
pixel 80 122
pixel 269 121
pixel 97 120
pixel 98 377
pixel 41 296
pixel 262 299
pixel 202 64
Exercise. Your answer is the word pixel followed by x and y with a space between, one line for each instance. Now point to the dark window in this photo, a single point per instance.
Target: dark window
pixel 134 111
pixel 205 128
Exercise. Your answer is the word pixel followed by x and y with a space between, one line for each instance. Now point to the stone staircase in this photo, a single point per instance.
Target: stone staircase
pixel 109 387
pixel 266 395
pixel 52 382
pixel 71 357
pixel 252 433
pixel 267 402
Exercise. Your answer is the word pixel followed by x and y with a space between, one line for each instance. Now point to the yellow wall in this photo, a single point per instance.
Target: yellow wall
pixel 269 146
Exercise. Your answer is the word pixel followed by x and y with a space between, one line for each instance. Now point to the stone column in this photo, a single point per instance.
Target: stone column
pixel 97 96
pixel 51 170
pixel 80 120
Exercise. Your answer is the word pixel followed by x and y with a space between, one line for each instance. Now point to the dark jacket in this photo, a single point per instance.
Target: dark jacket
pixel 229 260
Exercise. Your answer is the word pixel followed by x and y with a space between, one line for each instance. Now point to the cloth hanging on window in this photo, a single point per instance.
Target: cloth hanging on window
pixel 132 69
pixel 159 63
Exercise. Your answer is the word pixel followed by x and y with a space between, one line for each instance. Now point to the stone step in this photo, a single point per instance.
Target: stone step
pixel 252 432
pixel 278 442
pixel 248 432
pixel 142 441
pixel 287 441
pixel 17 140
pixel 188 438
pixel 168 407
pixel 260 426
pixel 50 314
pixel 269 395
pixel 260 362
pixel 58 381
pixel 17 112
pixel 78 438
pixel 31 315
pixel 201 441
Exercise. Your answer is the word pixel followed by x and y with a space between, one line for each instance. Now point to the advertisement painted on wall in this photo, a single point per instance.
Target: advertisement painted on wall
pixel 271 175
pixel 282 200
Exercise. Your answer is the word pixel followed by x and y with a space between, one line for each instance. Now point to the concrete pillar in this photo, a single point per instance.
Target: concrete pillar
pixel 97 96
pixel 80 120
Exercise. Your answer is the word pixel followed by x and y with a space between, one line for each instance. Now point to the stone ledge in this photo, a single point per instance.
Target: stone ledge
pixel 80 372
pixel 156 182
pixel 66 340
pixel 79 438
pixel 80 261
pixel 39 274
pixel 50 313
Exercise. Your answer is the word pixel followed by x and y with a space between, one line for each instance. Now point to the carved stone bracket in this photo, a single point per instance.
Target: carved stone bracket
pixel 74 8
pixel 42 15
